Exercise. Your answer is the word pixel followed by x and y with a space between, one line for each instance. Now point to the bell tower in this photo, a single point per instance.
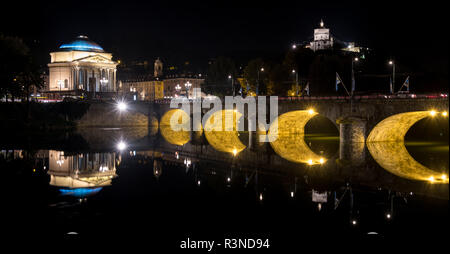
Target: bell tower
pixel 158 70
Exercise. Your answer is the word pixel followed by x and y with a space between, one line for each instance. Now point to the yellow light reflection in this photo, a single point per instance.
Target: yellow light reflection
pixel 174 125
pixel 394 128
pixel 290 142
pixel 224 141
pixel 394 157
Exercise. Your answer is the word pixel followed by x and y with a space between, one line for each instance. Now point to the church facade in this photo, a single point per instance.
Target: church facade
pixel 322 38
pixel 82 67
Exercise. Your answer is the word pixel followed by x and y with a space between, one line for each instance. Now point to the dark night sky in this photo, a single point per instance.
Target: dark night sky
pixel 197 31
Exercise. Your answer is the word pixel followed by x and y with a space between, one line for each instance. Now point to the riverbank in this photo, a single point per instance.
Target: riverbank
pixel 41 116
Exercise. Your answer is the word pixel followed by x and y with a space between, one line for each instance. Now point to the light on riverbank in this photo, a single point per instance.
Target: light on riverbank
pixel 122 106
pixel 121 146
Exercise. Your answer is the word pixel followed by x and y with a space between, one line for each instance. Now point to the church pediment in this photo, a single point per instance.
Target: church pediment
pixel 95 59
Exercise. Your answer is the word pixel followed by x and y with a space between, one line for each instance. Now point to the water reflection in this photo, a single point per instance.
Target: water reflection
pixel 289 143
pixel 221 140
pixel 197 176
pixel 82 173
pixel 394 157
pixel 174 125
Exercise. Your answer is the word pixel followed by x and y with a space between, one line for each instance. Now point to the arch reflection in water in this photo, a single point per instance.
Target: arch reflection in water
pixel 387 146
pixel 394 157
pixel 290 142
pixel 224 141
pixel 81 174
pixel 174 126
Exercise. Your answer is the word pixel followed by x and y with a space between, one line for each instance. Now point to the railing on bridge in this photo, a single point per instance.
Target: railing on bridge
pixel 356 97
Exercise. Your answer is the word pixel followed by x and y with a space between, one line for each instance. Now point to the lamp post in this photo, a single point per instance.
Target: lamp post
pixel 353 75
pixel 296 82
pixel 178 88
pixel 188 87
pixel 257 81
pixel 391 62
pixel 232 83
pixel 353 84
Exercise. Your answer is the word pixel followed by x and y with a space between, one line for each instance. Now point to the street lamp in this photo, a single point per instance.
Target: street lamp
pixel 232 83
pixel 121 145
pixel 391 62
pixel 353 75
pixel 257 82
pixel 188 87
pixel 178 88
pixel 121 106
pixel 296 82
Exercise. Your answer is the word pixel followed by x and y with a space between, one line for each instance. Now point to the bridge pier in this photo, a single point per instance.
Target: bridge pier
pixel 154 114
pixel 352 136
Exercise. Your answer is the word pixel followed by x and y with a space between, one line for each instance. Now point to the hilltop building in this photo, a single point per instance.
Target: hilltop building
pixel 324 40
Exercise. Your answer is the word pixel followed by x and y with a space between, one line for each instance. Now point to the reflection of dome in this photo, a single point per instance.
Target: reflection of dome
pixel 80 192
pixel 82 43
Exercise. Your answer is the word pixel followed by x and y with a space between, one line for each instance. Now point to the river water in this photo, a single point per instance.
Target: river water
pixel 149 185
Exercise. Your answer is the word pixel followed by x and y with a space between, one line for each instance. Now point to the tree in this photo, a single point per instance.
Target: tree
pixel 15 58
pixel 279 80
pixel 255 77
pixel 217 81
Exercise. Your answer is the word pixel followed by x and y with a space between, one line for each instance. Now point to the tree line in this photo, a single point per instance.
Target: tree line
pixel 19 73
pixel 301 72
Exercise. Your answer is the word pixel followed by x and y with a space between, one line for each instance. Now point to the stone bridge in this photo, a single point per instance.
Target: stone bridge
pixel 354 118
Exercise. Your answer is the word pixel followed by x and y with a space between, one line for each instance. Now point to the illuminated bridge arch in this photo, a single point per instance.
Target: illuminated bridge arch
pixel 289 134
pixel 386 144
pixel 169 120
pixel 218 138
pixel 394 128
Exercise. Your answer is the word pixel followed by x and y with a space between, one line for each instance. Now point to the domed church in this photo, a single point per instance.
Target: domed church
pixel 82 67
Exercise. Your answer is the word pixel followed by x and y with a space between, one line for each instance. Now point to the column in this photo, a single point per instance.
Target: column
pixel 352 135
pixel 114 80
pixel 108 74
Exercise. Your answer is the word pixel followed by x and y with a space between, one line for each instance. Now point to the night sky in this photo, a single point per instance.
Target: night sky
pixel 198 31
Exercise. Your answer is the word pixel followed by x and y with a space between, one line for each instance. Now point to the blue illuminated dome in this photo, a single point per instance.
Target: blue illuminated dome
pixel 80 192
pixel 82 43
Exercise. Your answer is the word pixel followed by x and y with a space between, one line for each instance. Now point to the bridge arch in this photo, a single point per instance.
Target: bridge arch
pixel 169 120
pixel 218 138
pixel 386 144
pixel 288 131
pixel 394 128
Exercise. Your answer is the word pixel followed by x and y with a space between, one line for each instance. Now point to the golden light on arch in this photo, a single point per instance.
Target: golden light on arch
pixel 174 126
pixel 394 128
pixel 218 138
pixel 386 144
pixel 290 141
